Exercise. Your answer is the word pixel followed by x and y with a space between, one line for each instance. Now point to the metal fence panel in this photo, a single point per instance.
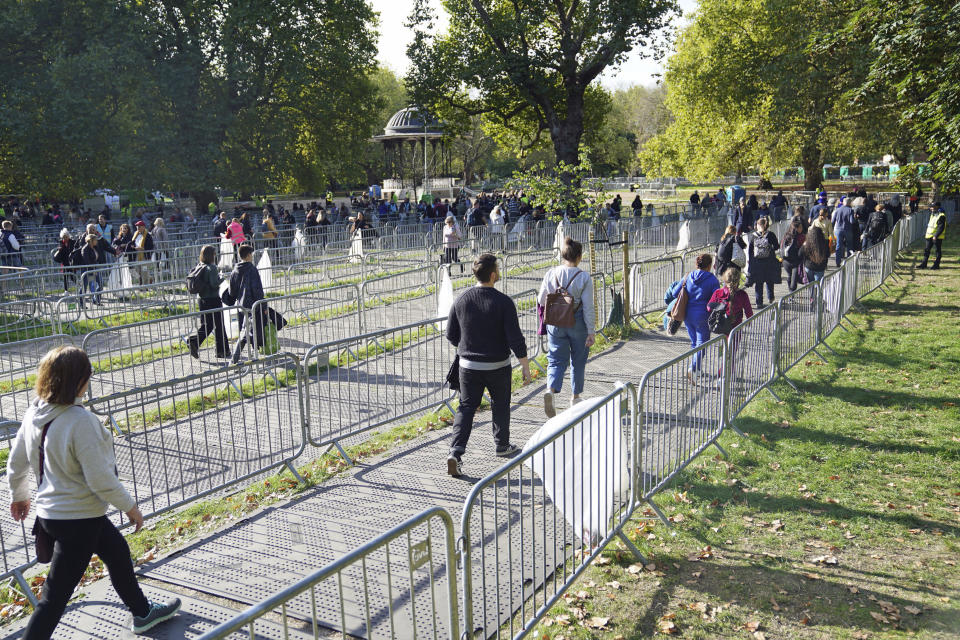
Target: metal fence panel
pixel 183 439
pixel 399 585
pixel 680 413
pixel 798 328
pixel 359 383
pixel 532 526
pixel 751 349
pixel 312 317
pixel 649 280
pixel 18 365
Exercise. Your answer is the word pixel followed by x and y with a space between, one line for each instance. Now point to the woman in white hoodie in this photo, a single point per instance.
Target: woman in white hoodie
pixel 71 456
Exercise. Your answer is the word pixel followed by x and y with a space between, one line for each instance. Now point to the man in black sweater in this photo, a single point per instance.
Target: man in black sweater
pixel 484 327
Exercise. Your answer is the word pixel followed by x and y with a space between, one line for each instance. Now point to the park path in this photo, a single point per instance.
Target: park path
pixel 248 561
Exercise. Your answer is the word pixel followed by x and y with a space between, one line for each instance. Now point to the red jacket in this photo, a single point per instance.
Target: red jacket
pixel 737 307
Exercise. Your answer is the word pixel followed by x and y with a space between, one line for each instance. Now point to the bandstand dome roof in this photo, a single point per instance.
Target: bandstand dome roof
pixel 410 122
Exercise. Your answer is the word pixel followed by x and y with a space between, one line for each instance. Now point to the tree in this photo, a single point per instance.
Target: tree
pixel 771 93
pixel 533 56
pixel 914 66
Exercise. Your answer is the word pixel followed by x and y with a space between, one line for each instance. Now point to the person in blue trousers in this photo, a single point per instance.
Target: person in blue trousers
pixel 845 228
pixel 700 284
pixel 568 345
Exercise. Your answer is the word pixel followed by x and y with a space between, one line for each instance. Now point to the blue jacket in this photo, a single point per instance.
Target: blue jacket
pixel 700 287
pixel 844 222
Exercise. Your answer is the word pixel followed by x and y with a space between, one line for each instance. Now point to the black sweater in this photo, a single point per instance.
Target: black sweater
pixel 484 327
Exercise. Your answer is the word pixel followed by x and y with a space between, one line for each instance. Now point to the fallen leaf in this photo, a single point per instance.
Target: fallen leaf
pixel 563 620
pixel 879 617
pixel 759 635
pixel 602 561
pixel 752 625
pixel 596 622
pixel 913 610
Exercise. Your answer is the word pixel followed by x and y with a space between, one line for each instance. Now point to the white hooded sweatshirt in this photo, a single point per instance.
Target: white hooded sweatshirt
pixel 80 469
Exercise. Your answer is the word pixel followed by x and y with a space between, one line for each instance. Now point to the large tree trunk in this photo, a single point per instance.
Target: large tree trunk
pixel 203 200
pixel 811 159
pixel 567 132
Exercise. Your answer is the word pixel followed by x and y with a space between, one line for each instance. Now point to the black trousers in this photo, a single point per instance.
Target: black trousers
pixel 212 323
pixel 793 275
pixel 931 243
pixel 472 384
pixel 76 542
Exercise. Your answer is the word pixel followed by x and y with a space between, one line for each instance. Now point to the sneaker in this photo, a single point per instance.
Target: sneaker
pixel 454 466
pixel 936 265
pixel 159 612
pixel 507 451
pixel 548 407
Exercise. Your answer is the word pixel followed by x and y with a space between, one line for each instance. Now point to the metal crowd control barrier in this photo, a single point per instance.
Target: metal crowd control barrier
pixel 322 315
pixel 18 363
pixel 16 541
pixel 649 280
pixel 399 298
pixel 751 354
pixel 396 586
pixel 184 439
pixel 26 319
pixel 799 327
pixel 680 413
pixel 78 314
pixel 344 396
pixel 531 527
pixel 144 354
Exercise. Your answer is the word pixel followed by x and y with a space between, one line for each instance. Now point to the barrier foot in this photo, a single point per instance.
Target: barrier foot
pixel 632 548
pixel 115 426
pixel 343 453
pixel 233 384
pixel 829 348
pixel 820 355
pixel 663 518
pixel 538 366
pixel 293 470
pixel 790 382
pixel 775 396
pixel 27 591
pixel 449 407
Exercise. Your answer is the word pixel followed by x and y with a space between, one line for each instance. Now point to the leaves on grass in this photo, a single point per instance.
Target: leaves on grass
pixel 666 624
pixel 913 610
pixel 596 622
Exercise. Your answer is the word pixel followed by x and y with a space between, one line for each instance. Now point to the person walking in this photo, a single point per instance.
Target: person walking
pixel 10 249
pixel 161 240
pixel 816 253
pixel 484 327
pixel 568 345
pixel 845 228
pixel 763 266
pixel 700 285
pixel 268 231
pixel 451 241
pixel 726 253
pixel 141 249
pixel 71 456
pixel 737 302
pixel 790 251
pixel 936 231
pixel 245 290
pixel 209 294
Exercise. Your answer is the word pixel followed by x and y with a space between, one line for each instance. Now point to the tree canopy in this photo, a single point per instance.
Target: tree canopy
pixel 767 84
pixel 530 61
pixel 184 94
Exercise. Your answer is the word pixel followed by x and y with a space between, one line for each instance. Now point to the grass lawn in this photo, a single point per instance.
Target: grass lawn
pixel 836 517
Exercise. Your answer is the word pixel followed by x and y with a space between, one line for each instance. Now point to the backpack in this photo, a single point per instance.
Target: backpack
pixel 761 247
pixel 195 279
pixel 738 257
pixel 877 225
pixel 791 252
pixel 718 320
pixel 560 309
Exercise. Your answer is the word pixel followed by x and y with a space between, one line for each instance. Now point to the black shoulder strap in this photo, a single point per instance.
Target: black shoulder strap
pixel 43 440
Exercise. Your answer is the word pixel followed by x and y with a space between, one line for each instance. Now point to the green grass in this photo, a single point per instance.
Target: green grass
pixel 837 516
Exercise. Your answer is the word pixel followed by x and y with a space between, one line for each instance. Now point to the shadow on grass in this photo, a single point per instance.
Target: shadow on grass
pixel 753 583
